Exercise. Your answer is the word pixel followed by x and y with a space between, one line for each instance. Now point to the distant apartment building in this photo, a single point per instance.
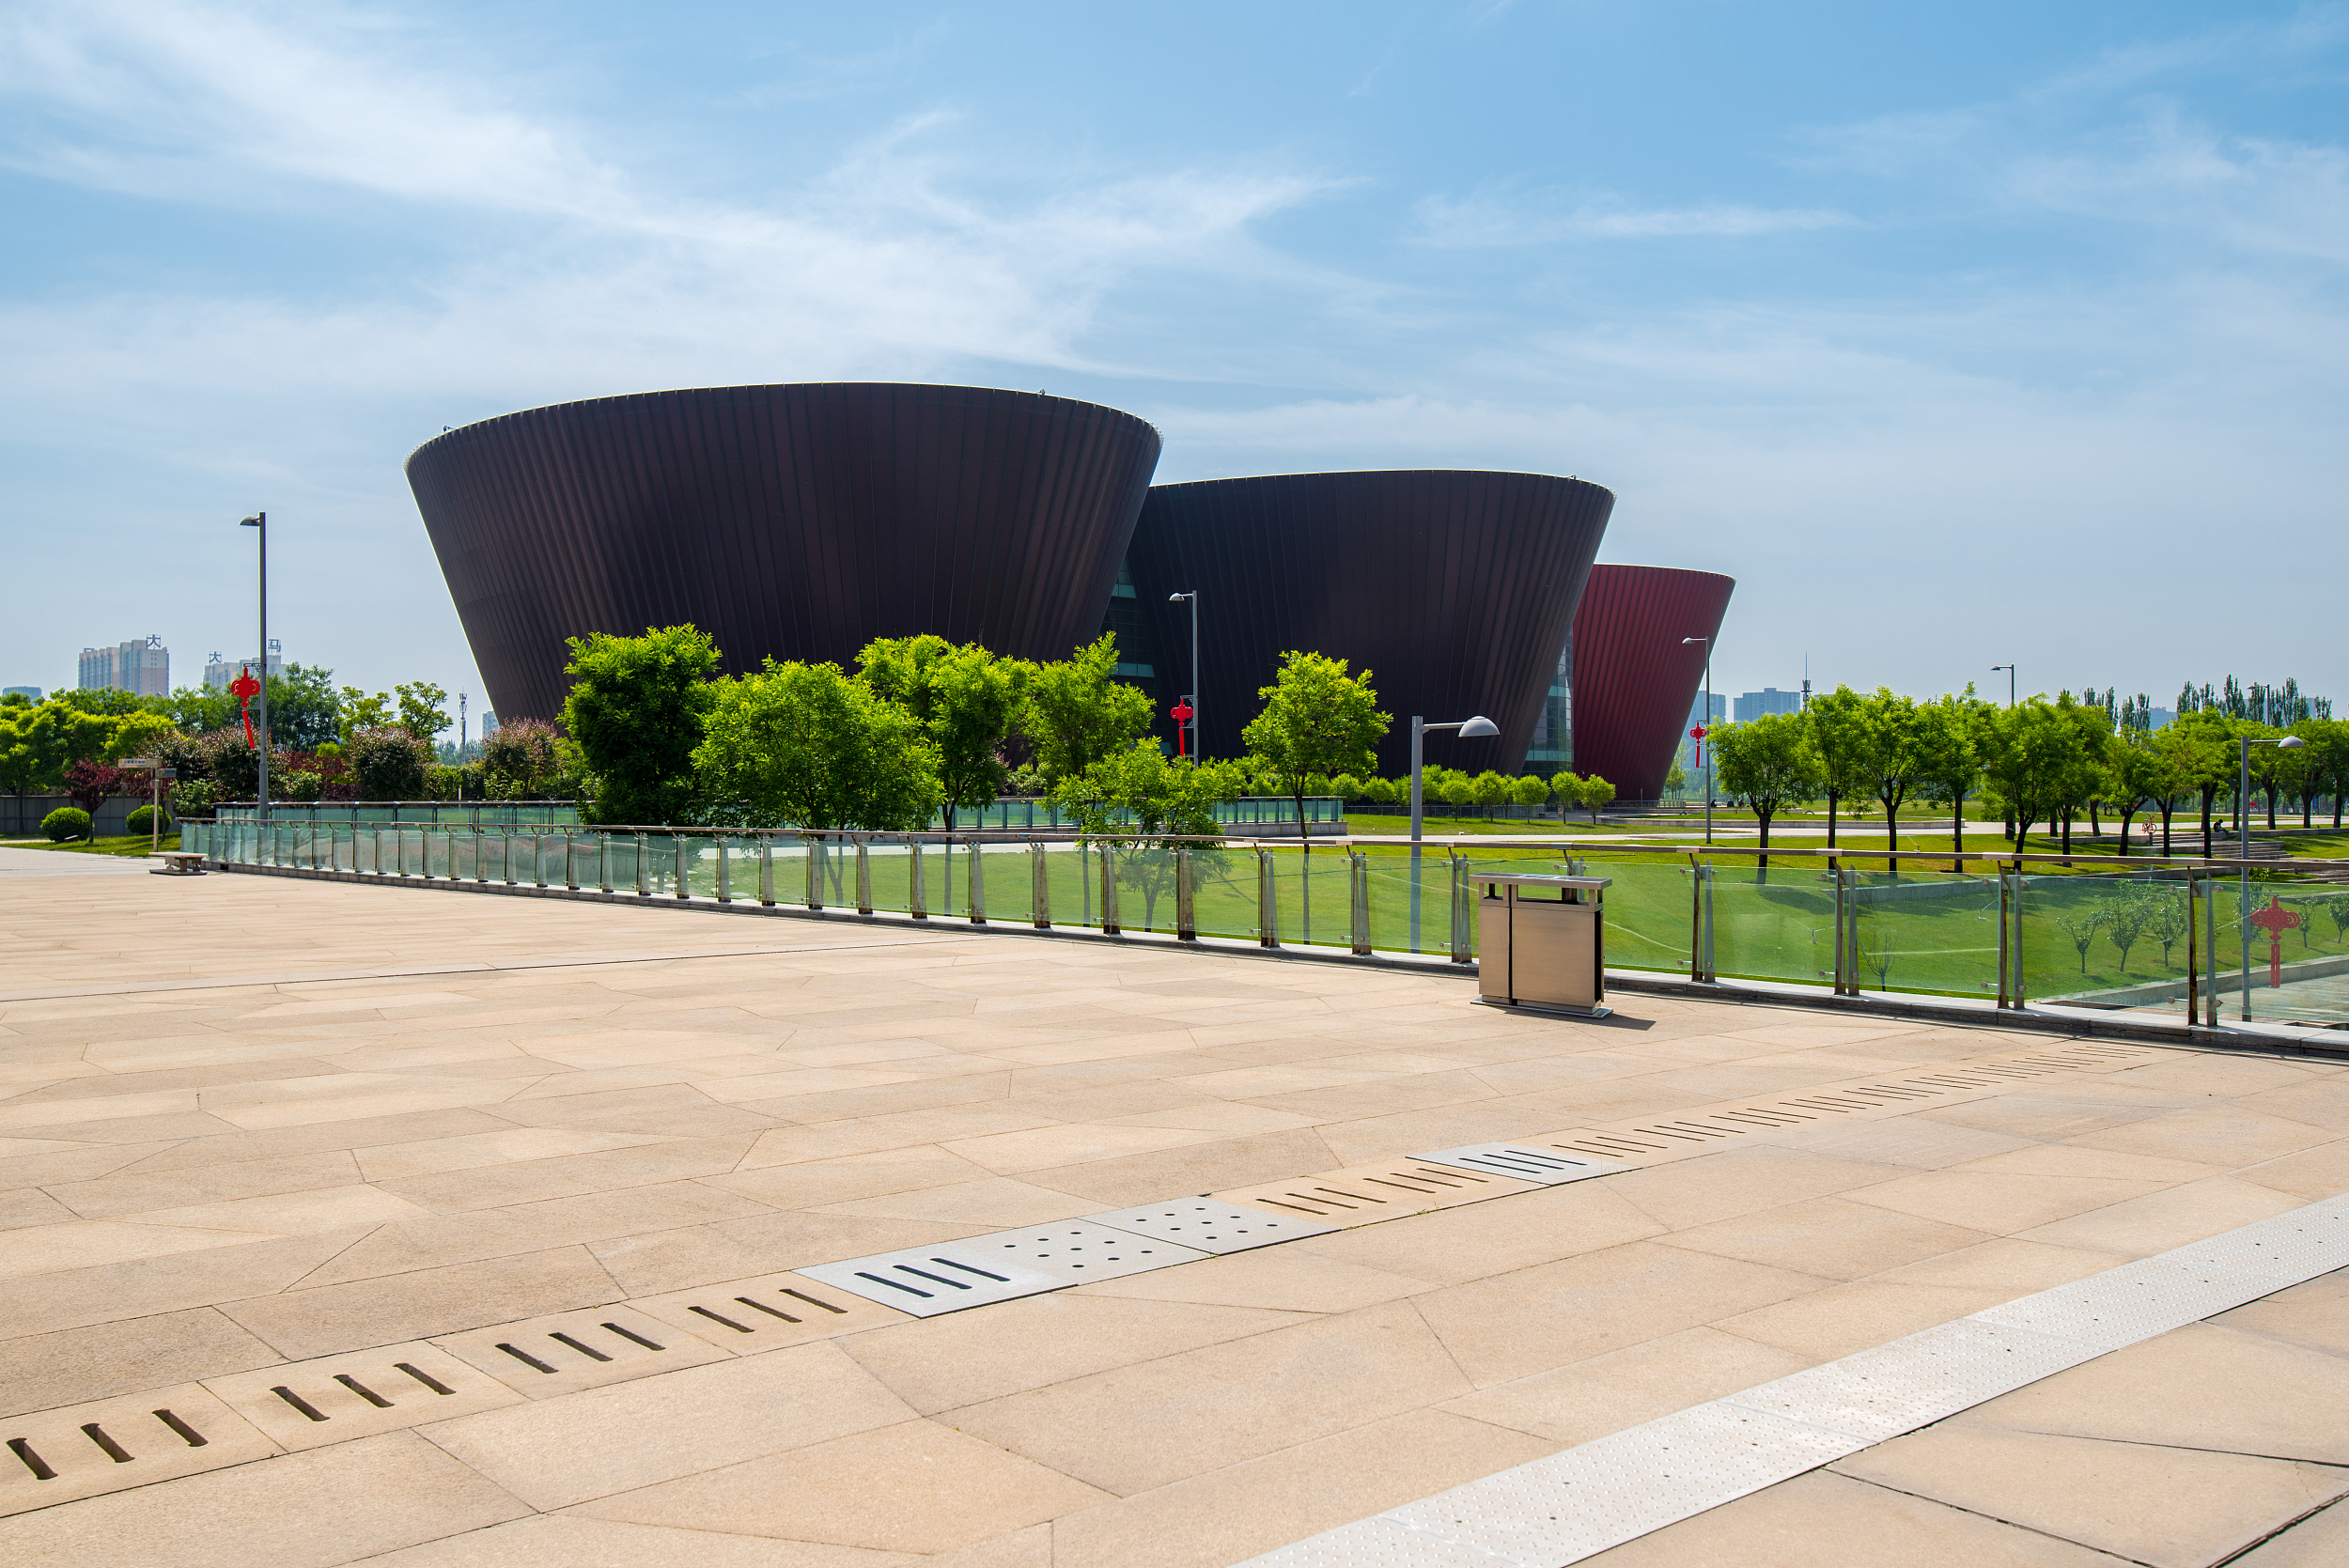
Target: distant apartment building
pixel 141 666
pixel 1768 700
pixel 219 671
pixel 30 693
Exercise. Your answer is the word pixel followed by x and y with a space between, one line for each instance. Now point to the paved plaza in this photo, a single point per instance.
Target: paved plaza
pixel 469 1231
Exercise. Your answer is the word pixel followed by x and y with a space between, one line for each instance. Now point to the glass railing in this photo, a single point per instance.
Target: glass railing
pixel 2031 931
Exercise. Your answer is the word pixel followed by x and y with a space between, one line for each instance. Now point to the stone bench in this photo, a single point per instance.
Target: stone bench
pixel 178 862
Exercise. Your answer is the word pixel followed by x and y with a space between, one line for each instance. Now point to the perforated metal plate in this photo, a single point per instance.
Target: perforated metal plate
pixel 1363 1193
pixel 2132 1302
pixel 1211 1225
pixel 337 1398
pixel 927 1281
pixel 82 1450
pixel 1913 1381
pixel 1620 1488
pixel 1076 1250
pixel 767 1312
pixel 569 1351
pixel 2290 1247
pixel 1549 1167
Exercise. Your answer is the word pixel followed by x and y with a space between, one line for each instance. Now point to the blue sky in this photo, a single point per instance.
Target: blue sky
pixel 1997 331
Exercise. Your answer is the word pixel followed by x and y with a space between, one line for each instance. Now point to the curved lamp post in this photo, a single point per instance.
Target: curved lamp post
pixel 2242 848
pixel 1469 728
pixel 1707 727
pixel 1192 699
pixel 261 801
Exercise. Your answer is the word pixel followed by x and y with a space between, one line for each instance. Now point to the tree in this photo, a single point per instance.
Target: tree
pixel 39 743
pixel 1489 789
pixel 364 712
pixel 90 784
pixel 1839 732
pixel 420 705
pixel 1139 799
pixel 1949 763
pixel 1596 792
pixel 2082 925
pixel 387 762
pixel 2027 750
pixel 2139 775
pixel 2128 915
pixel 2208 741
pixel 966 700
pixel 1768 761
pixel 1567 787
pixel 637 710
pixel 105 702
pixel 2178 754
pixel 1316 718
pixel 1891 748
pixel 2082 774
pixel 803 745
pixel 1530 790
pixel 2168 919
pixel 1076 715
pixel 521 759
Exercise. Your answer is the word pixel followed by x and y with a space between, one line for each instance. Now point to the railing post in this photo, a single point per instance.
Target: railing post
pixel 766 870
pixel 2006 952
pixel 1108 892
pixel 684 889
pixel 863 877
pixel 1268 901
pixel 644 872
pixel 978 883
pixel 1843 928
pixel 1701 961
pixel 603 861
pixel 1041 892
pixel 1186 905
pixel 507 852
pixel 2193 953
pixel 2210 948
pixel 815 847
pixel 538 858
pixel 1358 900
pixel 2022 967
pixel 726 884
pixel 1462 909
pixel 917 899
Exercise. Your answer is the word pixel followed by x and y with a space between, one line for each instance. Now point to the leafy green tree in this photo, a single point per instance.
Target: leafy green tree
pixel 1138 800
pixel 362 712
pixel 2328 743
pixel 1078 713
pixel 39 743
pixel 2139 774
pixel 1839 732
pixel 2168 920
pixel 1567 787
pixel 2080 927
pixel 1530 790
pixel 1317 718
pixel 2084 771
pixel 2026 751
pixel 637 710
pixel 803 745
pixel 966 700
pixel 1489 789
pixel 1891 748
pixel 2129 914
pixel 1768 762
pixel 1595 793
pixel 420 705
pixel 520 760
pixel 2166 773
pixel 2206 741
pixel 106 702
pixel 198 709
pixel 1949 761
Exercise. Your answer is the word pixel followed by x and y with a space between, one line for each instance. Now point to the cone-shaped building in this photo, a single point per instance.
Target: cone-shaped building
pixel 1634 676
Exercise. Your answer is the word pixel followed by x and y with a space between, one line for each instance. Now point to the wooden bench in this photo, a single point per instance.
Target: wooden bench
pixel 178 862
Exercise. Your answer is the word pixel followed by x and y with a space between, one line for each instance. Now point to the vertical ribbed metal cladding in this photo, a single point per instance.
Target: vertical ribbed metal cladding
pixel 1634 679
pixel 795 522
pixel 1453 588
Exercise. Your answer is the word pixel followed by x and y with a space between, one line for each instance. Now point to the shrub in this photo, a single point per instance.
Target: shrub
pixel 66 822
pixel 519 760
pixel 194 798
pixel 234 767
pixel 296 786
pixel 388 763
pixel 142 822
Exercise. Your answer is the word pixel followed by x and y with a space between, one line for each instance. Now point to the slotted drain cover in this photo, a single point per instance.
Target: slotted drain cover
pixel 1211 1225
pixel 946 1278
pixel 1078 1251
pixel 109 1444
pixel 767 1312
pixel 1549 1167
pixel 1363 1193
pixel 337 1398
pixel 569 1351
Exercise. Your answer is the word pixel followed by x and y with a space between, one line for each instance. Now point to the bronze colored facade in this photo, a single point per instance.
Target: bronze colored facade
pixel 1455 588
pixel 1634 677
pixel 796 521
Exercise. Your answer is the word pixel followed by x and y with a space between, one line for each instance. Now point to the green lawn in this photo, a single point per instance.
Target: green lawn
pixel 132 846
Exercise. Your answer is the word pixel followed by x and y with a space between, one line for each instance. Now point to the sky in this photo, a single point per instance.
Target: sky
pixel 1959 336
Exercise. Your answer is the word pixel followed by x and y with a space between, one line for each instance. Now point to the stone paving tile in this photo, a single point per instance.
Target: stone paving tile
pixel 574 1541
pixel 2319 1541
pixel 424 1302
pixel 72 1366
pixel 1607 1392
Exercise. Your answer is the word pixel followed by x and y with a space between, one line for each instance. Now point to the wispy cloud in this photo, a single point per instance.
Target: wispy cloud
pixel 1497 219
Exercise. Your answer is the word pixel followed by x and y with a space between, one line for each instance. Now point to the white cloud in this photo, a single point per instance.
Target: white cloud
pixel 1493 218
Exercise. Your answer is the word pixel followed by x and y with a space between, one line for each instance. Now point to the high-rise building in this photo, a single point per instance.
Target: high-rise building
pixel 140 666
pixel 219 671
pixel 1768 700
pixel 30 693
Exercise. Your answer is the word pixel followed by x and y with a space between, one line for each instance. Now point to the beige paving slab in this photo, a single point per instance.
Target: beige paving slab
pixel 2315 1315
pixel 987 1202
pixel 1280 1278
pixel 476 1151
pixel 428 1240
pixel 805 1183
pixel 300 1323
pixel 2171 1217
pixel 2005 1266
pixel 1824 1520
pixel 143 1287
pixel 1377 1193
pixel 1740 1180
pixel 555 1453
pixel 2168 1507
pixel 731 1249
pixel 72 1365
pixel 1524 1230
pixel 1837 1238
pixel 1224 1404
pixel 314 1509
pixel 572 1541
pixel 2318 1541
pixel 1599 1394
pixel 45 1250
pixel 1843 1319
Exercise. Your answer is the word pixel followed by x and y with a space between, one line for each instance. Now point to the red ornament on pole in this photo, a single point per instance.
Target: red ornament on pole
pixel 2274 921
pixel 1180 713
pixel 1697 734
pixel 244 688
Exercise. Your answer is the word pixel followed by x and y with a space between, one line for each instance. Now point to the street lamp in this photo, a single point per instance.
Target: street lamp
pixel 1708 728
pixel 2242 848
pixel 1192 700
pixel 2010 682
pixel 1469 728
pixel 261 810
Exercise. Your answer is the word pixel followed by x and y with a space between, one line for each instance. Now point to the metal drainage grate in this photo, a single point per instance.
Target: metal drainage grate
pixel 1363 1193
pixel 1078 1251
pixel 1210 1225
pixel 945 1278
pixel 569 1351
pixel 82 1450
pixel 337 1398
pixel 767 1312
pixel 1548 1166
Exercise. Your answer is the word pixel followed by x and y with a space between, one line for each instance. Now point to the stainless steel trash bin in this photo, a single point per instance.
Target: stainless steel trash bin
pixel 1541 941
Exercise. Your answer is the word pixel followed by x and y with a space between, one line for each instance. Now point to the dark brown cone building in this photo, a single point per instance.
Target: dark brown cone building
pixel 1634 677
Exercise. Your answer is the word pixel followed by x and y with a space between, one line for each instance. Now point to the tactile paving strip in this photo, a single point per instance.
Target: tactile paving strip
pixel 1549 1167
pixel 334 1399
pixel 569 1351
pixel 1880 1394
pixel 106 1445
pixel 1077 1250
pixel 929 1281
pixel 1211 1225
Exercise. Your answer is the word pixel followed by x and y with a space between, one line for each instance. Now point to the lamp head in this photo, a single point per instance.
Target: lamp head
pixel 1479 725
pixel 253 522
pixel 1685 641
pixel 2289 743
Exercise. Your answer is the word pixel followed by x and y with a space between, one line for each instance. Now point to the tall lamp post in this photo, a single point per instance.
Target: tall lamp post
pixel 1469 728
pixel 1707 727
pixel 2242 848
pixel 1192 700
pixel 2010 682
pixel 260 809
